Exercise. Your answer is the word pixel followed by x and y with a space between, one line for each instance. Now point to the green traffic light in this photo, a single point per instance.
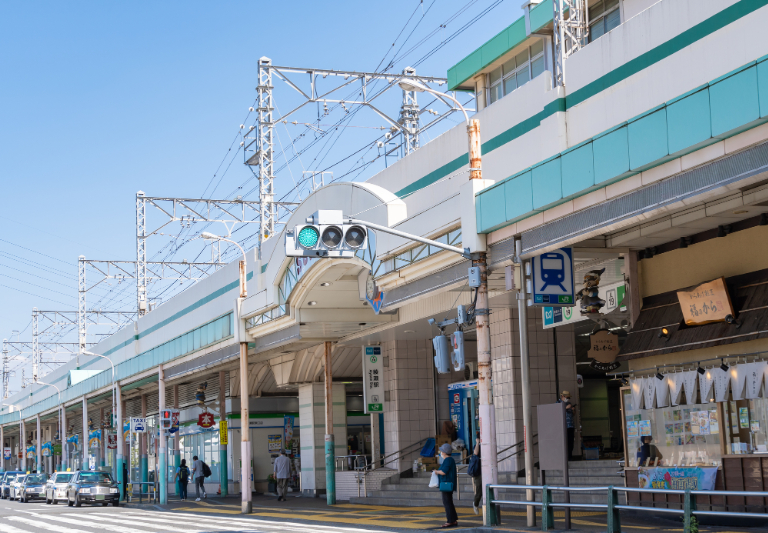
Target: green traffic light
pixel 308 236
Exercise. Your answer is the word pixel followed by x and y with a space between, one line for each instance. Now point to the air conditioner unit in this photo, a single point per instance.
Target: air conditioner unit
pixel 470 371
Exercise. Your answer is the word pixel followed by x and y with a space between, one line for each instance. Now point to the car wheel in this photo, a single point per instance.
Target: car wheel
pixel 78 503
pixel 70 503
pixel 54 501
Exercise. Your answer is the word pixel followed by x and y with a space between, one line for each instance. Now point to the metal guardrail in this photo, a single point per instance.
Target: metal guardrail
pixel 612 506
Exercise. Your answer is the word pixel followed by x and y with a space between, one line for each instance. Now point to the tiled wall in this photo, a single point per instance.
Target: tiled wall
pixel 409 415
pixel 507 389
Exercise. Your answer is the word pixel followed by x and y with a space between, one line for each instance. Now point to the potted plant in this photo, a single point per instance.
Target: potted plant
pixel 271 484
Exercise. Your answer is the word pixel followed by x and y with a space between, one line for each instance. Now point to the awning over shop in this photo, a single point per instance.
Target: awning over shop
pixel 749 297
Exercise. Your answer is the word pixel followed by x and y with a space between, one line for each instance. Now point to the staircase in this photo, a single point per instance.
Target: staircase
pixel 415 492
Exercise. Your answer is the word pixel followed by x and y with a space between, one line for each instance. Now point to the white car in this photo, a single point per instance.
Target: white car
pixel 56 489
pixel 16 487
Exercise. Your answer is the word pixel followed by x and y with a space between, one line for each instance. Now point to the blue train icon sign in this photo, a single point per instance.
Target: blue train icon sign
pixel 553 282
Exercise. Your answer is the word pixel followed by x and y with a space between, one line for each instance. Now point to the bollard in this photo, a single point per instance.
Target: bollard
pixel 689 505
pixel 547 512
pixel 492 517
pixel 614 523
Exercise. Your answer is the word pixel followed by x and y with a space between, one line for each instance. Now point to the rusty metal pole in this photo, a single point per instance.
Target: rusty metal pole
pixel 176 448
pixel 490 467
pixel 330 451
pixel 245 413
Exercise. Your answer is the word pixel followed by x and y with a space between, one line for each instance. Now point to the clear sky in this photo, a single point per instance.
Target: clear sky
pixel 102 99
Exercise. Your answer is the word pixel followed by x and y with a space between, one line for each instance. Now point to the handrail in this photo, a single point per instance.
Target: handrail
pixel 612 505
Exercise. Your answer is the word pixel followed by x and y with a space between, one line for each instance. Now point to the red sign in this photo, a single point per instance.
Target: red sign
pixel 112 441
pixel 205 420
pixel 456 399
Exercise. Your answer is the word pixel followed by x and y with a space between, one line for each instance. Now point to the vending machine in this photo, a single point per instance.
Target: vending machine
pixel 464 406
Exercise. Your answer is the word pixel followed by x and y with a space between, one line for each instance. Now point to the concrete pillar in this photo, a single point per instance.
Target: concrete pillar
pixel 38 445
pixel 162 463
pixel 143 459
pixel 176 449
pixel 375 438
pixel 86 462
pixel 63 437
pixel 23 446
pixel 312 432
pixel 245 432
pixel 120 457
pixel 224 481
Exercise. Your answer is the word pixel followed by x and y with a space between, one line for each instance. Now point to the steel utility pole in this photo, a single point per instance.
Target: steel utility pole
pixel 490 465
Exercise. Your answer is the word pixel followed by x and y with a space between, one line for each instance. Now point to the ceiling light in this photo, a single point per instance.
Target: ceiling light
pixel 699 369
pixel 664 333
pixel 659 375
pixel 312 303
pixel 723 366
pixel 408 331
pixel 624 381
pixel 325 284
pixel 731 320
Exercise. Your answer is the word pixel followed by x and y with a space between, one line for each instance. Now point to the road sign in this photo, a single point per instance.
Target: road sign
pixel 205 420
pixel 373 383
pixel 553 279
pixel 612 293
pixel 139 425
pixel 223 432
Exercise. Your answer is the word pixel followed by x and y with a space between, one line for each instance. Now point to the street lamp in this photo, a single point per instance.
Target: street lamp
pixel 245 438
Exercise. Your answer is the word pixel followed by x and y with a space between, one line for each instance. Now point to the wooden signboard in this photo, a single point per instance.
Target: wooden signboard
pixel 603 348
pixel 706 303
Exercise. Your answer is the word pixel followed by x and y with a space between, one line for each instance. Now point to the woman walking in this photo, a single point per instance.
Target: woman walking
pixel 447 474
pixel 182 477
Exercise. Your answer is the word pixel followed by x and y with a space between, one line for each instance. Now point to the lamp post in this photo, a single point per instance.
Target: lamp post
pixel 117 421
pixel 245 437
pixel 486 411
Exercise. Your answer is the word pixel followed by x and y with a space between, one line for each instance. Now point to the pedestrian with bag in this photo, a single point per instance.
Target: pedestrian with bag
pixel 198 474
pixel 182 477
pixel 475 471
pixel 282 474
pixel 447 476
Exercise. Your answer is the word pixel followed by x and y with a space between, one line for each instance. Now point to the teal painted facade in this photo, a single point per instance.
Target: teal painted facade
pixel 724 107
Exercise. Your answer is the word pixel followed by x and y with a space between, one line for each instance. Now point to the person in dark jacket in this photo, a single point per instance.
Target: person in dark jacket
pixel 447 474
pixel 477 481
pixel 125 480
pixel 182 477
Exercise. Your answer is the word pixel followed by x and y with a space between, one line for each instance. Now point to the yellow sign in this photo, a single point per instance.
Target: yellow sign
pixel 707 303
pixel 603 346
pixel 223 434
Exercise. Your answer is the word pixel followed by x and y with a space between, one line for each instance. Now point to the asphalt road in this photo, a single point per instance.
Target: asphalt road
pixel 38 517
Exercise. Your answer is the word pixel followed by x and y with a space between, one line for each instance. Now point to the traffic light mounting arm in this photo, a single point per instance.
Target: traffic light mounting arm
pixel 463 252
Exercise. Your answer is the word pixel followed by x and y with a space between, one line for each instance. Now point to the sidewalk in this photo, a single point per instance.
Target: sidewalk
pixel 414 519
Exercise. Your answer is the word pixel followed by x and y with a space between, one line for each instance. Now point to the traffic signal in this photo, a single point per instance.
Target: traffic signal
pixel 442 354
pixel 457 357
pixel 166 420
pixel 325 235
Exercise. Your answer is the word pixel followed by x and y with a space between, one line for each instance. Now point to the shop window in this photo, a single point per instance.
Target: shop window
pixel 516 71
pixel 683 435
pixel 746 423
pixel 603 17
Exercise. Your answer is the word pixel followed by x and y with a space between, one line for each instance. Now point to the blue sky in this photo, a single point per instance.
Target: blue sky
pixel 102 99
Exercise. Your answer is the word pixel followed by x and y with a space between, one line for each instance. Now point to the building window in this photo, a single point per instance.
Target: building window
pixel 517 71
pixel 603 17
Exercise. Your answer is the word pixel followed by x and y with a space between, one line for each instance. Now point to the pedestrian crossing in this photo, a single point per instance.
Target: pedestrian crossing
pixel 111 520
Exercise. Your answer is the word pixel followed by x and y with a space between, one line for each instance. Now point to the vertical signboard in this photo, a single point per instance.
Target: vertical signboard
pixel 373 379
pixel 553 279
pixel 223 432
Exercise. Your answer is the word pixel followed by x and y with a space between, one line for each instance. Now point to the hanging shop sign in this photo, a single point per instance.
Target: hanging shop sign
pixel 175 421
pixel 274 443
pixel 223 432
pixel 288 422
pixel 373 383
pixel 205 420
pixel 603 349
pixel 31 452
pixel 7 454
pixel 552 275
pixel 706 303
pixel 57 449
pixel 613 294
pixel 112 441
pixel 694 478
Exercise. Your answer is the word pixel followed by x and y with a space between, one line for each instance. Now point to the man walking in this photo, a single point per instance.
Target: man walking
pixel 199 477
pixel 282 474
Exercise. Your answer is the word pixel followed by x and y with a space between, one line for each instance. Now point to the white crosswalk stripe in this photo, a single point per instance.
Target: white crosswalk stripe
pixel 156 523
pixel 5 528
pixel 44 526
pixel 104 527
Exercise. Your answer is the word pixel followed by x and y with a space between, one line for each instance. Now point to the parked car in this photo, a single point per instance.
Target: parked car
pixel 56 488
pixel 6 481
pixel 16 486
pixel 92 487
pixel 33 487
